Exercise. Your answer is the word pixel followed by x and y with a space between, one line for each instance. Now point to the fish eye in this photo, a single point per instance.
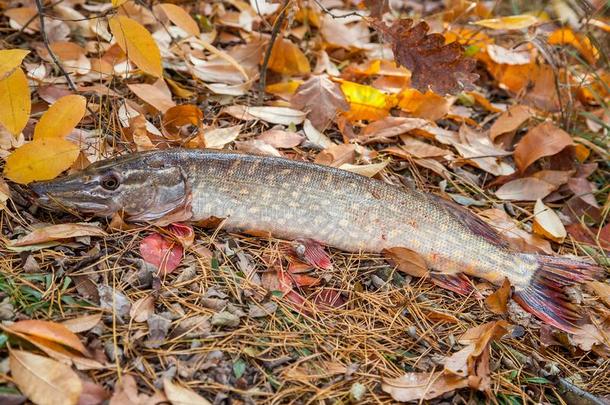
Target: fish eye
pixel 110 182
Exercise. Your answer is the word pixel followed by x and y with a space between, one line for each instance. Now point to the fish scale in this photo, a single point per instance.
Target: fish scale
pixel 293 199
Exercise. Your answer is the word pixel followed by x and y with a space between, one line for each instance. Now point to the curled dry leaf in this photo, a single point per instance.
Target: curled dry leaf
pixel 175 118
pixel 142 309
pixel 162 253
pixel 58 232
pixel 547 223
pixel 518 238
pixel 497 302
pixel 434 64
pixel 217 138
pixel 543 140
pixel 61 118
pixel 273 115
pixel 525 189
pixel 179 395
pixel 44 381
pixel 417 386
pixel 321 99
pixel 407 261
pixel 15 104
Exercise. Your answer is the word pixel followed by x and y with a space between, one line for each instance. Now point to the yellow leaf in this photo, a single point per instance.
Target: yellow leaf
pixel 137 43
pixel 565 36
pixel 284 89
pixel 181 18
pixel 366 102
pixel 9 60
pixel 513 22
pixel 287 58
pixel 44 381
pixel 117 3
pixel 42 159
pixel 61 118
pixel 15 103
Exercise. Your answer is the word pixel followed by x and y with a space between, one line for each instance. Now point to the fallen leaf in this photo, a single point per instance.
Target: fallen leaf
pixel 162 253
pixel 525 189
pixel 366 102
pixel 153 96
pixel 44 381
pixel 142 309
pixel 217 138
pixel 15 104
pixel 50 331
pixel 257 147
pixel 287 59
pixel 510 120
pixel 417 386
pixel 281 139
pixel 93 394
pixel 322 99
pixel 315 137
pixel 137 43
pixel 407 261
pixel 565 36
pixel 513 22
pixel 421 149
pixel 547 223
pixel 61 118
pixel 273 115
pixel 543 140
pixel 433 63
pixel 181 18
pixel 505 56
pixel 58 232
pixel 179 395
pixel 497 302
pixel 10 59
pixel 369 170
pixel 42 159
pixel 175 118
pixel 428 105
pixel 518 238
pixel 82 323
pixel 602 290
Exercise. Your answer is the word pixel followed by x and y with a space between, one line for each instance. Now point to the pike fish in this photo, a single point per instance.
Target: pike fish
pixel 291 200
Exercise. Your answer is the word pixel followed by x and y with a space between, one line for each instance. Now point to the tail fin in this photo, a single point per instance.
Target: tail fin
pixel 544 296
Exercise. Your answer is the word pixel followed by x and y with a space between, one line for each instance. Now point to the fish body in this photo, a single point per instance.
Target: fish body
pixel 291 199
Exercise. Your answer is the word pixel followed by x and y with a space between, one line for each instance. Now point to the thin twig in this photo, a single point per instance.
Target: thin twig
pixel 274 32
pixel 45 40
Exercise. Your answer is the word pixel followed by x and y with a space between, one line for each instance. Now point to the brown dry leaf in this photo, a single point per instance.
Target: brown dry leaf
pixel 590 335
pixel 42 159
pixel 433 63
pixel 518 238
pixel 407 261
pixel 257 147
pixel 179 395
pixel 44 381
pixel 61 118
pixel 281 139
pixel 58 232
pixel 82 323
pixel 602 290
pixel 322 99
pixel 181 18
pixel 543 140
pixel 369 170
pixel 417 386
pixel 337 155
pixel 547 223
pixel 391 127
pixel 479 150
pixel 152 95
pixel 15 104
pixel 497 302
pixel 288 59
pixel 427 105
pixel 137 43
pixel 142 309
pixel 525 189
pixel 510 120
pixel 50 331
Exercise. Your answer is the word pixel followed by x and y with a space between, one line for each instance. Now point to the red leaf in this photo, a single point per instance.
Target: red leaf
pixel 312 252
pixel 182 233
pixel 161 253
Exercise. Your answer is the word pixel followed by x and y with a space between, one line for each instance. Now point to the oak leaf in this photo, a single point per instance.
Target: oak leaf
pixel 434 64
pixel 322 98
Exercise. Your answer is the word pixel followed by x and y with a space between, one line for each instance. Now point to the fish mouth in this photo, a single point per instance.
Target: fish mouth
pixel 47 197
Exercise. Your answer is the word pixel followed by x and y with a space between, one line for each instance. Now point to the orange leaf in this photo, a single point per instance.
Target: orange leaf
pixel 42 159
pixel 510 121
pixel 61 118
pixel 137 43
pixel 544 140
pixel 547 223
pixel 181 18
pixel 407 261
pixel 366 102
pixel 15 104
pixel 427 105
pixel 179 116
pixel 525 189
pixel 288 59
pixel 565 36
pixel 497 302
pixel 10 59
pixel 54 332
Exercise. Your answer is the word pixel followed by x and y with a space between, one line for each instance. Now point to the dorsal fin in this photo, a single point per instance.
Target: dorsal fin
pixel 471 221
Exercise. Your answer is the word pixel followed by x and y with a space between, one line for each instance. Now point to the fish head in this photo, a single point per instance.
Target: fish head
pixel 142 186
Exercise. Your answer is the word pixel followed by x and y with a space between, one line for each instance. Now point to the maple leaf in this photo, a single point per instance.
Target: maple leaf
pixel 443 68
pixel 322 98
